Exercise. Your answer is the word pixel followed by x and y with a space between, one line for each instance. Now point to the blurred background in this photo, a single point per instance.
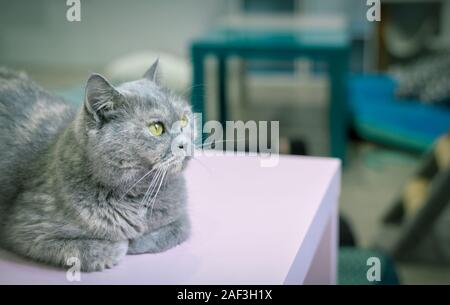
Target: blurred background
pixel 375 94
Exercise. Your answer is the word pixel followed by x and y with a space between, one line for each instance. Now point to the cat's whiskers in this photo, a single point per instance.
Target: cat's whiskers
pixel 139 180
pixel 209 144
pixel 202 164
pixel 147 192
pixel 151 187
pixel 161 170
pixel 143 177
pixel 189 90
pixel 153 200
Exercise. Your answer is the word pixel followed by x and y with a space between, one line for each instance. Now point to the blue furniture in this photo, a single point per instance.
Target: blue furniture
pixel 324 46
pixel 377 115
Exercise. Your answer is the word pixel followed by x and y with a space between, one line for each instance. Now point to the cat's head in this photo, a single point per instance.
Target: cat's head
pixel 135 127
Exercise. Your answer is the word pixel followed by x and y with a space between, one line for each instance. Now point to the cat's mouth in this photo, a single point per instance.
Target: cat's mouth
pixel 172 164
pixel 178 164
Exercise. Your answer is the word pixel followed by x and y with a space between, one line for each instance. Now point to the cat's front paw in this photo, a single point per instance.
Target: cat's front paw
pixel 103 256
pixel 162 239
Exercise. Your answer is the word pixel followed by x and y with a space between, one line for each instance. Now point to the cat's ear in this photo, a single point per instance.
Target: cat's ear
pixel 101 97
pixel 153 73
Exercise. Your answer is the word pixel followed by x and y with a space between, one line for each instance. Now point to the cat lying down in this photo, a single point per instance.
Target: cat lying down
pixel 95 183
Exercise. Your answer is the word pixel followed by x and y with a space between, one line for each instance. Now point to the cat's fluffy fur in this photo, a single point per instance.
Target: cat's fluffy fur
pixel 67 175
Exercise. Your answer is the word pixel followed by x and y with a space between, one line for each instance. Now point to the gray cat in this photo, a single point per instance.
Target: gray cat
pixel 94 183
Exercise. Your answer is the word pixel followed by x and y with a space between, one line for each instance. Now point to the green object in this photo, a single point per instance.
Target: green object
pixel 330 47
pixel 353 267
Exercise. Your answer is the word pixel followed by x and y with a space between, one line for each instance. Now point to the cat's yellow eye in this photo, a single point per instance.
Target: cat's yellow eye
pixel 156 129
pixel 184 120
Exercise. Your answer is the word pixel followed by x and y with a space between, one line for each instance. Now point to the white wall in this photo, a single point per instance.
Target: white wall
pixel 36 32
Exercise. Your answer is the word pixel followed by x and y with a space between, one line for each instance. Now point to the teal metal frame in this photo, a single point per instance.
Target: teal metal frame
pixel 332 48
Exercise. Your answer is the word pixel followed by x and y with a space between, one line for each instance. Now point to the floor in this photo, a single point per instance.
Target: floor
pixel 373 178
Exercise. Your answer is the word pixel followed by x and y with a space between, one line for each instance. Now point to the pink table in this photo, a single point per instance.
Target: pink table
pixel 251 225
